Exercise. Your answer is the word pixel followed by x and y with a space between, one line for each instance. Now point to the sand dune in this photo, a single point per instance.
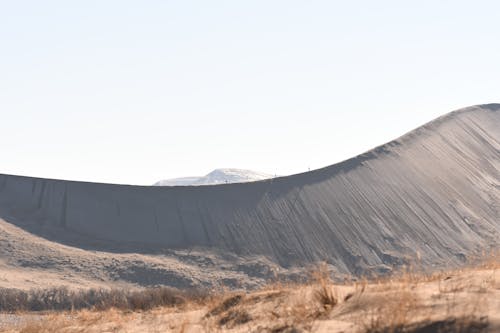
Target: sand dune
pixel 434 193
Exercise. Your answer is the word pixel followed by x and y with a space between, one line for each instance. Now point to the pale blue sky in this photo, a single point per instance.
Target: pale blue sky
pixel 137 91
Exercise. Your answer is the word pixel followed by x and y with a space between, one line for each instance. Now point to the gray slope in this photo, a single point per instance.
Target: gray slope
pixel 434 191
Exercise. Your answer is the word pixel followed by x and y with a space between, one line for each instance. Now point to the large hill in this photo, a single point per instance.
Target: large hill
pixel 433 193
pixel 217 176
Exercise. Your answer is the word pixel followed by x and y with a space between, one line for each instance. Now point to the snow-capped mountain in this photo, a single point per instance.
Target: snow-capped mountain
pixel 218 176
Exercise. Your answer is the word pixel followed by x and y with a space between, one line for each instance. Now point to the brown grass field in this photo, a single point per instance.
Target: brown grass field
pixel 459 300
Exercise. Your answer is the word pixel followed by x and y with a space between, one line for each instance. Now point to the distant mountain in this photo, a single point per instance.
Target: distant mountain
pixel 218 176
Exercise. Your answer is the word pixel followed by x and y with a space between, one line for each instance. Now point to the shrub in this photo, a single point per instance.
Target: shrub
pixel 65 299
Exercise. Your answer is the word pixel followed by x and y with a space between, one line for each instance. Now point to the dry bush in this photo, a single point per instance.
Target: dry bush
pixel 225 305
pixel 392 313
pixel 325 293
pixel 227 312
pixel 63 299
pixel 305 303
pixel 235 317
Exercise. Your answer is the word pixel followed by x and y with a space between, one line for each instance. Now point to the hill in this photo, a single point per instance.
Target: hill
pixel 217 176
pixel 431 194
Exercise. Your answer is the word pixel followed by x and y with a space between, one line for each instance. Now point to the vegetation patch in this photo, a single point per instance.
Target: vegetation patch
pixel 449 325
pixel 64 299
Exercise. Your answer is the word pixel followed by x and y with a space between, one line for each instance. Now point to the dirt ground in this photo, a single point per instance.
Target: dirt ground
pixel 466 300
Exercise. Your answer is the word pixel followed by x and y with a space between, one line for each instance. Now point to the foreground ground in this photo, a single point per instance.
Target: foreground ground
pixel 466 300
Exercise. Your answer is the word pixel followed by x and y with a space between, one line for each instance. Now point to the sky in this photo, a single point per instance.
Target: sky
pixel 132 92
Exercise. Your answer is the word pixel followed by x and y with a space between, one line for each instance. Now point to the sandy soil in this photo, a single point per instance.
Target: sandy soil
pixel 413 299
pixel 29 261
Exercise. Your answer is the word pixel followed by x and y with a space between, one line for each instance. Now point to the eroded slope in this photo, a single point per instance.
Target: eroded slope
pixel 433 193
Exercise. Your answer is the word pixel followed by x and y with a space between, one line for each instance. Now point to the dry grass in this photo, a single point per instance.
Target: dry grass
pixel 82 321
pixel 464 303
pixel 64 299
pixel 410 301
pixel 325 293
pixel 392 313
